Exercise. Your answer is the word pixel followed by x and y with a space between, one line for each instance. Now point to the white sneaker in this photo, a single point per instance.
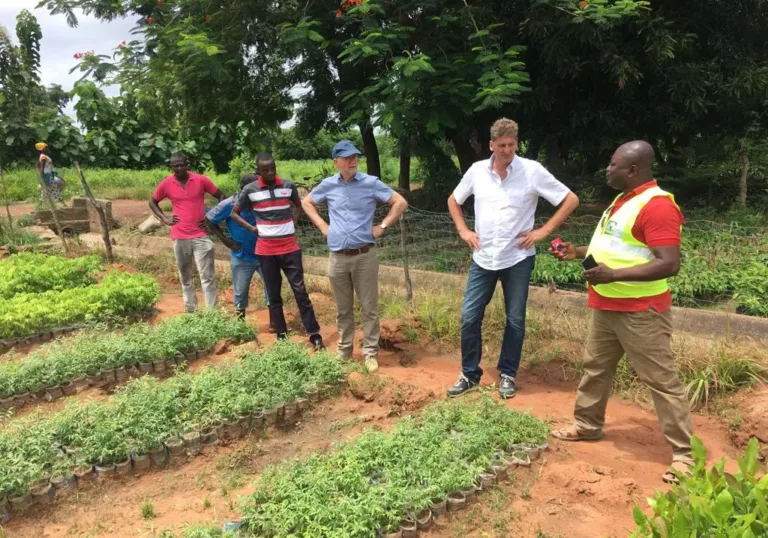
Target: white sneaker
pixel 371 364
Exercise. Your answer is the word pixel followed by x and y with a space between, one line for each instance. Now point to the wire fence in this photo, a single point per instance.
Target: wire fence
pixel 725 265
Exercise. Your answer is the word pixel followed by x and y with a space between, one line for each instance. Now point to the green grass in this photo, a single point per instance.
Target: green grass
pixel 17 238
pixel 140 184
pixel 148 510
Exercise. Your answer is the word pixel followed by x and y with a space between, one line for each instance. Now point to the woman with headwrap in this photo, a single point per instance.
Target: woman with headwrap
pixel 53 182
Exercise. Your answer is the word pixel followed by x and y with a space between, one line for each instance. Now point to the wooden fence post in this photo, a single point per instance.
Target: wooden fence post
pixel 102 215
pixel 404 250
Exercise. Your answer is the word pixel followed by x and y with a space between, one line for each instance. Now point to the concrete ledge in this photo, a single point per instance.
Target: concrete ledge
pixel 699 322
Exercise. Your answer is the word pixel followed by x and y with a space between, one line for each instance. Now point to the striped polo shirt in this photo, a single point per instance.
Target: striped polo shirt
pixel 273 207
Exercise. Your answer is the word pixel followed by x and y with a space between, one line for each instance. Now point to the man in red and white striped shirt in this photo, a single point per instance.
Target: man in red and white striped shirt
pixel 276 204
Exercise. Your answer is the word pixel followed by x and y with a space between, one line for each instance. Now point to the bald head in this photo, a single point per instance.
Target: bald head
pixel 631 165
pixel 638 152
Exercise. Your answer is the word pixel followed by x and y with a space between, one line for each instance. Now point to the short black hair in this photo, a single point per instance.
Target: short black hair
pixel 264 157
pixel 248 178
pixel 178 156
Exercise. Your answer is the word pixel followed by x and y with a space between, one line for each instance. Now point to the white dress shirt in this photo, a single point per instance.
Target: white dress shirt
pixel 505 208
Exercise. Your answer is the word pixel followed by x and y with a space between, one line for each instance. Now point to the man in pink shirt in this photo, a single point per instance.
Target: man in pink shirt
pixel 191 243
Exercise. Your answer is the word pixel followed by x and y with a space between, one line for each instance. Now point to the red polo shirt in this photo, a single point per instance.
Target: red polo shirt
pixel 188 203
pixel 657 225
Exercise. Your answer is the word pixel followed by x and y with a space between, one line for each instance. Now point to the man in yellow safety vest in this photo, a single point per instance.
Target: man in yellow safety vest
pixel 636 247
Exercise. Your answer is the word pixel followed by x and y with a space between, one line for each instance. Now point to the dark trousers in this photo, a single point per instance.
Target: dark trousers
pixel 291 265
pixel 480 287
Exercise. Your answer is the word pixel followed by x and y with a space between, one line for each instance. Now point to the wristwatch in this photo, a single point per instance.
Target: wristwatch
pixel 383 225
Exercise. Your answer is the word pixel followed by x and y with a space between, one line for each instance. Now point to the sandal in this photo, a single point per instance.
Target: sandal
pixel 678 467
pixel 572 434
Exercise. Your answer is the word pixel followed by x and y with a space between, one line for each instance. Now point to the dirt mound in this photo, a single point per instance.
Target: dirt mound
pixel 123 268
pixel 754 421
pixel 573 482
pixel 385 391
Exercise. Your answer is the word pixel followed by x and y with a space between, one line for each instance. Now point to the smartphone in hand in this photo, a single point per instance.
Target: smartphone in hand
pixel 589 263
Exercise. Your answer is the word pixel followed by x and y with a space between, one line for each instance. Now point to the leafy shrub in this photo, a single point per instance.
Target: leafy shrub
pixel 374 480
pixel 711 503
pixel 146 412
pixel 117 294
pixel 35 273
pixel 92 351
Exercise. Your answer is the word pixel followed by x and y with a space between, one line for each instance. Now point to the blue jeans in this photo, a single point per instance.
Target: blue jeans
pixel 242 274
pixel 480 287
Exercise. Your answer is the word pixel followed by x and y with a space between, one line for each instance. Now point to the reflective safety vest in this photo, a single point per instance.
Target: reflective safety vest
pixel 614 245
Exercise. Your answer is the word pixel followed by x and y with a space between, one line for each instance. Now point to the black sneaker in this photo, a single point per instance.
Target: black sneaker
pixel 507 387
pixel 282 336
pixel 462 386
pixel 317 342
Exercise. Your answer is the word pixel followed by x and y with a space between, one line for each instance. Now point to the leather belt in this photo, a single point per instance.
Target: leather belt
pixel 355 251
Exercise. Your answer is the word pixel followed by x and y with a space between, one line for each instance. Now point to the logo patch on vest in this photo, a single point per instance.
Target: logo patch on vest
pixel 284 193
pixel 612 229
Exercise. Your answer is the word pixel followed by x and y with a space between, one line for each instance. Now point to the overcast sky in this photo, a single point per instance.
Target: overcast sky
pixel 60 42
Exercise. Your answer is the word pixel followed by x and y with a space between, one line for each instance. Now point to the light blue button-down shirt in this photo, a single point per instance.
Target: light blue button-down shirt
pixel 351 207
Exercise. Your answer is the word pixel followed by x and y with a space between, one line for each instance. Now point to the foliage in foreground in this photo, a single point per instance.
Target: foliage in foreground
pixel 146 412
pixel 117 294
pixel 89 352
pixel 711 503
pixel 376 479
pixel 29 272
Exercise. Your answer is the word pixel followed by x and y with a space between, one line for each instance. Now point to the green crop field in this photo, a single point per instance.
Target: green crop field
pixel 22 184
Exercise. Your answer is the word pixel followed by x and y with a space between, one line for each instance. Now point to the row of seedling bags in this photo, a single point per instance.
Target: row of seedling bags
pixel 55 333
pixel 148 422
pixel 98 358
pixel 393 484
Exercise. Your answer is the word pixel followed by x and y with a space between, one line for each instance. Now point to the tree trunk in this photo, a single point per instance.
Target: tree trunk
pixel 465 151
pixel 744 159
pixel 371 150
pixel 404 181
pixel 5 199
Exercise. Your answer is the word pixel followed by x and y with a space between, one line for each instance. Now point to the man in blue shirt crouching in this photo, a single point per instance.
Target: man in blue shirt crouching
pixel 242 243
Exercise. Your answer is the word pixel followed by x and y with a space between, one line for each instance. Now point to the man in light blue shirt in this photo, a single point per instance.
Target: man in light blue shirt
pixel 353 267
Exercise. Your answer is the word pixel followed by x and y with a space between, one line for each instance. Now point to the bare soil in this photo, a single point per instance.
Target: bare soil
pixel 579 490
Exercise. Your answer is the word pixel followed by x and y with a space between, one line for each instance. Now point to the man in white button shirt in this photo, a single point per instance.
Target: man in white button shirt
pixel 506 189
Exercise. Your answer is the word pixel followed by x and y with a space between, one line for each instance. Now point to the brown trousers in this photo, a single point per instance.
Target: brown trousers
pixel 646 339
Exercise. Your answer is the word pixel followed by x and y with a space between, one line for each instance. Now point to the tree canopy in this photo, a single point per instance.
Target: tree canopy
pixel 217 77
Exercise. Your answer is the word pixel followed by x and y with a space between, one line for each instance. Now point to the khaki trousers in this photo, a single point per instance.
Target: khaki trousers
pixel 646 339
pixel 350 275
pixel 191 254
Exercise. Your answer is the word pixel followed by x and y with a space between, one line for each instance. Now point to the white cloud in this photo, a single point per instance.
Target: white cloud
pixel 60 42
